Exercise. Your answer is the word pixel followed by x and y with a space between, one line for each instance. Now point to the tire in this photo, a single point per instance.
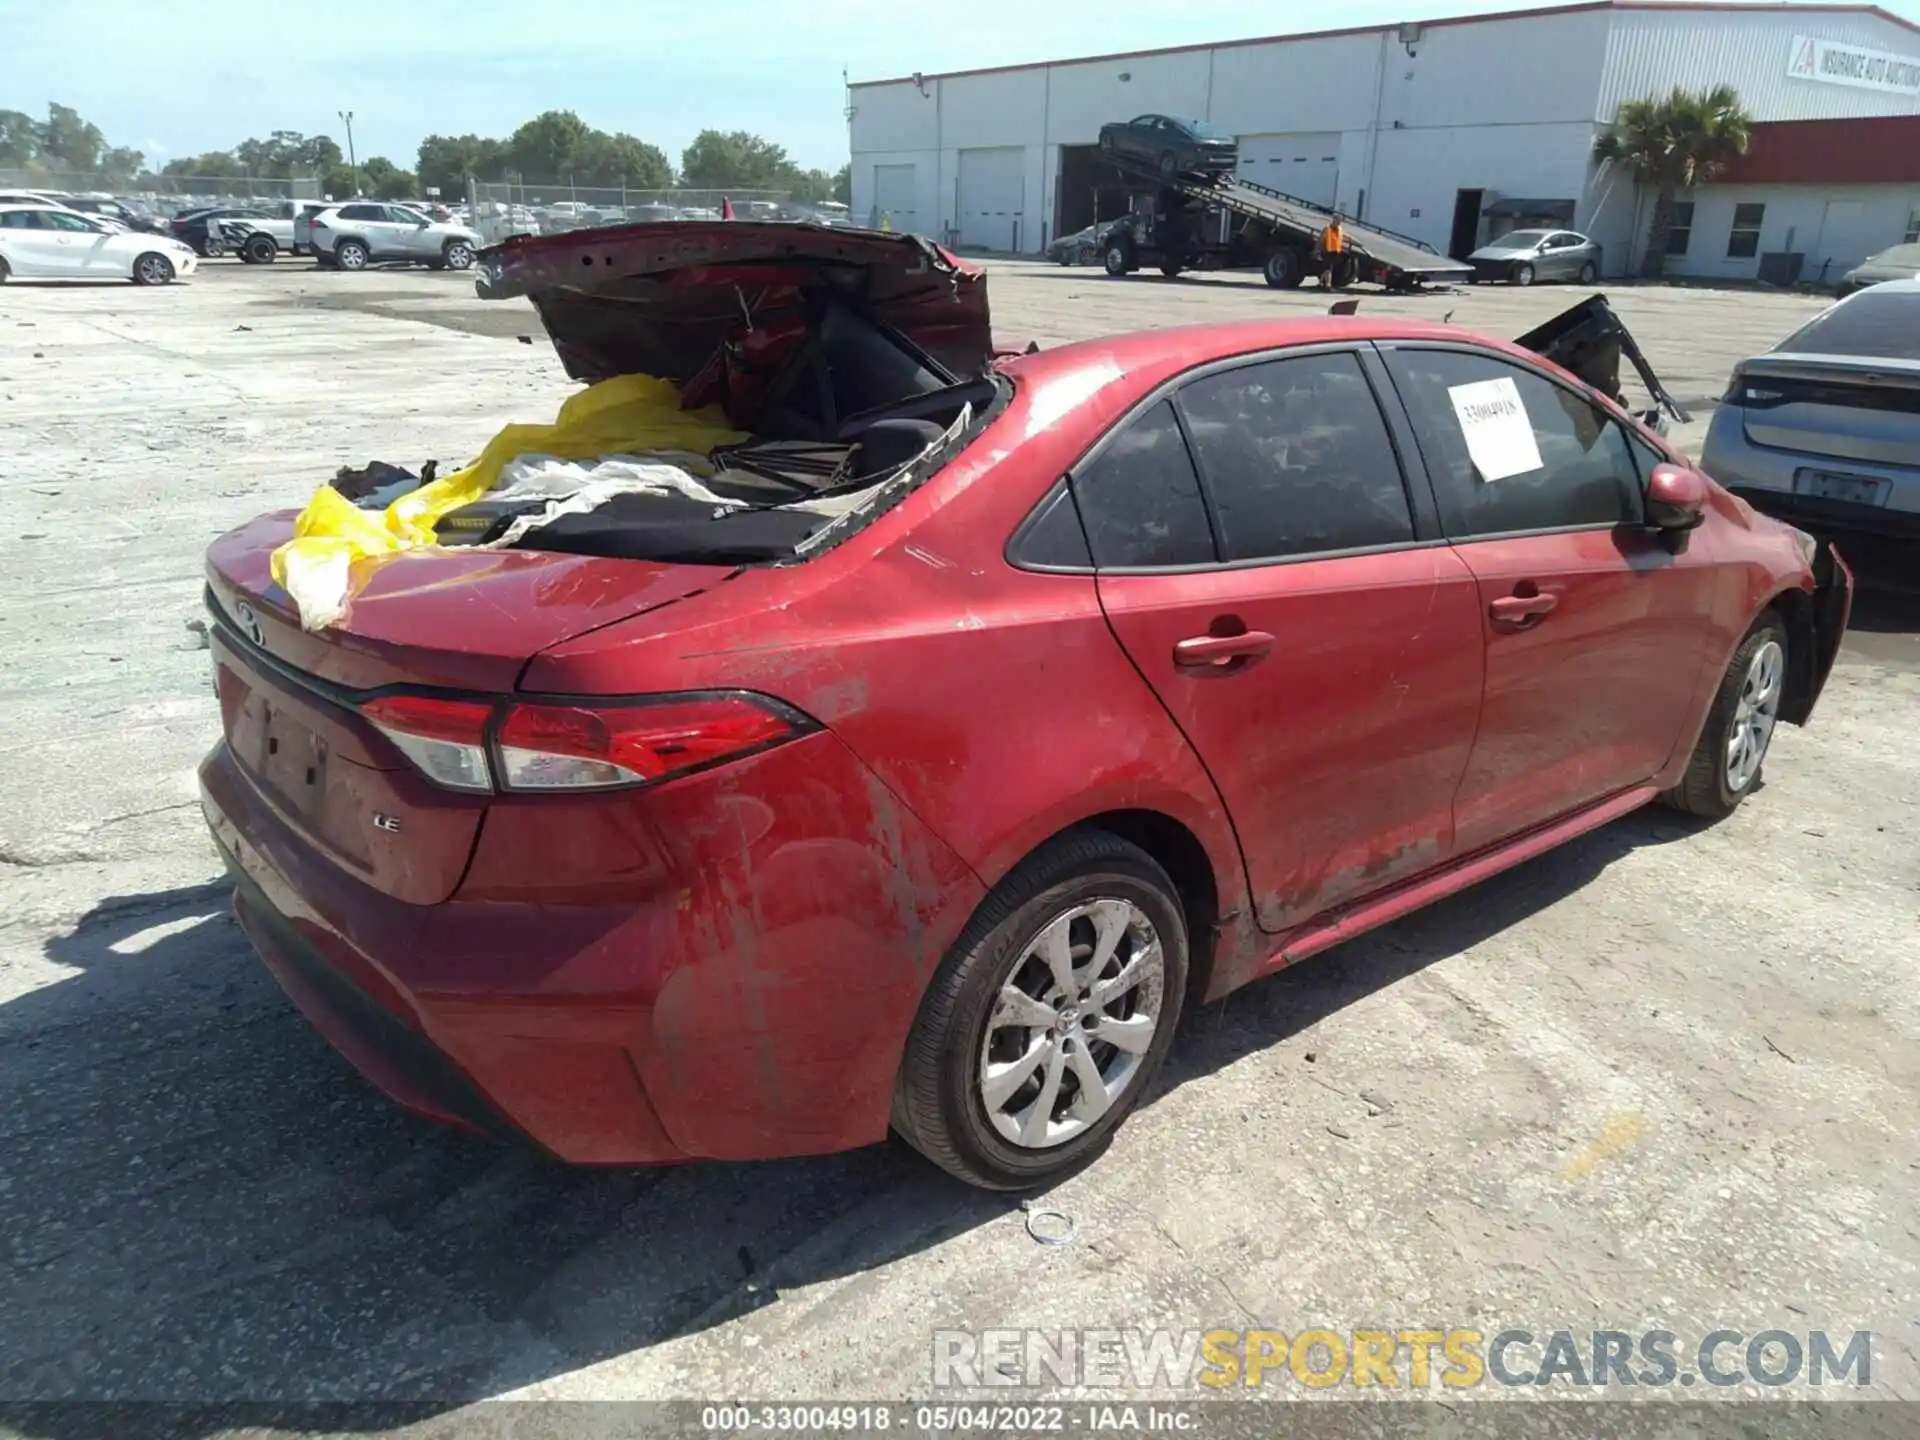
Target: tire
pixel 351 255
pixel 1589 272
pixel 1523 274
pixel 458 255
pixel 1717 778
pixel 204 247
pixel 1087 881
pixel 1170 167
pixel 4 270
pixel 152 268
pixel 1119 260
pixel 1345 270
pixel 1283 270
pixel 1109 146
pixel 261 250
pixel 1171 270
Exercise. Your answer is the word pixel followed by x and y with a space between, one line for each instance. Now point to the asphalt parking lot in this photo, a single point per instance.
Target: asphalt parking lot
pixel 1666 1075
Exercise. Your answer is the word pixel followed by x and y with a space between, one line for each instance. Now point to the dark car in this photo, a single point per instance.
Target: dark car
pixel 190 227
pixel 1116 677
pixel 1171 146
pixel 1824 428
pixel 1082 247
pixel 133 217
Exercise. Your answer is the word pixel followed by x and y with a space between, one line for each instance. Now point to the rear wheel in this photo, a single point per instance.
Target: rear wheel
pixel 351 255
pixel 1169 166
pixel 1283 270
pixel 1119 260
pixel 1048 1018
pixel 1726 763
pixel 4 270
pixel 1523 274
pixel 1589 272
pixel 261 249
pixel 152 269
pixel 1345 269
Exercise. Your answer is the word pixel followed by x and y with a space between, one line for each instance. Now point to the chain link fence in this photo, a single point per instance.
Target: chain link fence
pixel 503 208
pixel 165 194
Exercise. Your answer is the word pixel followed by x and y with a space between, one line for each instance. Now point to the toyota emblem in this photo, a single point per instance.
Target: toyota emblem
pixel 249 623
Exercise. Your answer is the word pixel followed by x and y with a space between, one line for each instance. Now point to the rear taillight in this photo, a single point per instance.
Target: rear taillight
pixel 316 223
pixel 473 745
pixel 445 739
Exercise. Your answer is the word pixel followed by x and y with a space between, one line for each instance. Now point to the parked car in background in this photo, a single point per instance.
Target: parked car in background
pixel 1082 247
pixel 195 228
pixel 1824 428
pixel 1896 262
pixel 682 833
pixel 1524 256
pixel 1171 145
pixel 261 239
pixel 364 232
pixel 133 217
pixel 50 242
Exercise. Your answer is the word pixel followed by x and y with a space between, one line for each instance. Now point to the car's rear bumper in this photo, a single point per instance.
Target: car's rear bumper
pixel 1765 478
pixel 701 979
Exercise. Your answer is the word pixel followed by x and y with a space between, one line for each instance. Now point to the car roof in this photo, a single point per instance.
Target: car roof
pixel 53 205
pixel 1145 359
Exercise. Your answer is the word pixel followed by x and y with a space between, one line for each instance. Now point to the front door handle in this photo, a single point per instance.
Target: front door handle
pixel 1221 652
pixel 1518 610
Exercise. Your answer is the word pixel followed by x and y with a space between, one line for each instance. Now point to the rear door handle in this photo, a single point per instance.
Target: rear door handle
pixel 1218 652
pixel 1520 609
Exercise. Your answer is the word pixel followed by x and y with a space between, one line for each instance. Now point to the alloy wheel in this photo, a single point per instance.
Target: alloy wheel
pixel 153 270
pixel 1073 1023
pixel 459 255
pixel 1754 714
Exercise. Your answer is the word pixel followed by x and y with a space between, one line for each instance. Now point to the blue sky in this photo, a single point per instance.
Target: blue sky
pixel 176 77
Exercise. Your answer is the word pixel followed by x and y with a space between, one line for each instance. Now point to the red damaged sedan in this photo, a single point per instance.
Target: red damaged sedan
pixel 1000 709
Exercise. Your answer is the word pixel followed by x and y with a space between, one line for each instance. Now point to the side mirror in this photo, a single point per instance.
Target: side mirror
pixel 1676 497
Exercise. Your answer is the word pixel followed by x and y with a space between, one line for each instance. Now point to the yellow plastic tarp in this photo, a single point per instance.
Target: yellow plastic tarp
pixel 627 415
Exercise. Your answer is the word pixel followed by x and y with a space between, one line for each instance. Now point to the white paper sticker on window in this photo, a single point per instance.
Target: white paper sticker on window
pixel 1499 434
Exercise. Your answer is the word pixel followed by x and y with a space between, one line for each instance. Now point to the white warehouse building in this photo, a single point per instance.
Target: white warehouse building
pixel 1449 131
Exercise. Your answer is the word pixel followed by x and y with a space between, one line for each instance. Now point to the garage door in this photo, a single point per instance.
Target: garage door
pixel 896 196
pixel 992 193
pixel 1305 164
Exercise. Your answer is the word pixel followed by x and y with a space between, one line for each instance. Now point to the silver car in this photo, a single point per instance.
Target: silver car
pixel 1896 262
pixel 362 232
pixel 1824 429
pixel 1524 256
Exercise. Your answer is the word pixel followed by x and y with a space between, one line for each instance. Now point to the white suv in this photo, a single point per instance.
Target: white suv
pixel 362 232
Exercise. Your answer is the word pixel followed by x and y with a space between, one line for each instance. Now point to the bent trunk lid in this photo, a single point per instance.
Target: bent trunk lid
pixel 456 619
pixel 1589 340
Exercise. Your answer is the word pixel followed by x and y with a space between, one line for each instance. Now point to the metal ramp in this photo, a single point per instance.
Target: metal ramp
pixel 1412 258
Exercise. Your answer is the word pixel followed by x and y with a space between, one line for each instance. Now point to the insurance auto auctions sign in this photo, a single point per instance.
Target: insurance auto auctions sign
pixel 1833 64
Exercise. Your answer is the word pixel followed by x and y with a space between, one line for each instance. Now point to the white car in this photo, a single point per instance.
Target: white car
pixel 361 232
pixel 39 241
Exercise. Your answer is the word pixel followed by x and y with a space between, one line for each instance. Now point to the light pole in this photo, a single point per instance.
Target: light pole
pixel 353 161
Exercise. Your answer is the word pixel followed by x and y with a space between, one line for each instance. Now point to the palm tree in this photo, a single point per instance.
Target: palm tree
pixel 1674 144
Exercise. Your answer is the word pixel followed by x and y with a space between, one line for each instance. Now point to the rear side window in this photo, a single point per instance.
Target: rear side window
pixel 1140 498
pixel 1880 324
pixel 1509 450
pixel 1297 458
pixel 363 212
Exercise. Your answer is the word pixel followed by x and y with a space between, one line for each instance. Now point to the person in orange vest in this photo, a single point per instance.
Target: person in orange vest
pixel 1333 243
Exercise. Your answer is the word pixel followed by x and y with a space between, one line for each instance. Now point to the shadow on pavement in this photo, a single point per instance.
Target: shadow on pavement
pixel 201 1203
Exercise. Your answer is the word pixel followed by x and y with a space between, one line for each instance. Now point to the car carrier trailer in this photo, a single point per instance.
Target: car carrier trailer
pixel 1226 223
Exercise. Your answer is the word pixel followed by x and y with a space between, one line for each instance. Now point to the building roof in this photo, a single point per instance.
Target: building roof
pixel 1731 7
pixel 1881 150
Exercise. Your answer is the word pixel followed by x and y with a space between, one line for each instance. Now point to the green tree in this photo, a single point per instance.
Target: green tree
pixel 542 149
pixel 69 142
pixel 1672 144
pixel 447 161
pixel 214 162
pixel 603 159
pixel 384 180
pixel 843 184
pixel 811 186
pixel 19 139
pixel 339 182
pixel 122 164
pixel 718 160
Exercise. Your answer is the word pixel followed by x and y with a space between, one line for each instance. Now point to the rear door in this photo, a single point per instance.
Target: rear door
pixel 1297 614
pixel 371 224
pixel 1594 632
